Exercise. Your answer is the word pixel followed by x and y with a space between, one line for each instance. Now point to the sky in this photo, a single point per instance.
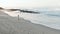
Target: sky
pixel 30 3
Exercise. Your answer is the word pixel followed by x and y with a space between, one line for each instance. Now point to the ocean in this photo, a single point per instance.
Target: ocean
pixel 47 18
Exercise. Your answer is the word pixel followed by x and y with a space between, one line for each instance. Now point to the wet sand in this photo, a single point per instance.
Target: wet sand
pixel 11 25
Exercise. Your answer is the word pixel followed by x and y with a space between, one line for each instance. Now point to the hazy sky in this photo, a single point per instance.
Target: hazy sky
pixel 30 3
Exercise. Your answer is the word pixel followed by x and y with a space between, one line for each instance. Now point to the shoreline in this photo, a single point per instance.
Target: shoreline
pixel 32 20
pixel 10 25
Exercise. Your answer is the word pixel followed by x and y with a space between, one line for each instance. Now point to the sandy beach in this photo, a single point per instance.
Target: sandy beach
pixel 11 25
